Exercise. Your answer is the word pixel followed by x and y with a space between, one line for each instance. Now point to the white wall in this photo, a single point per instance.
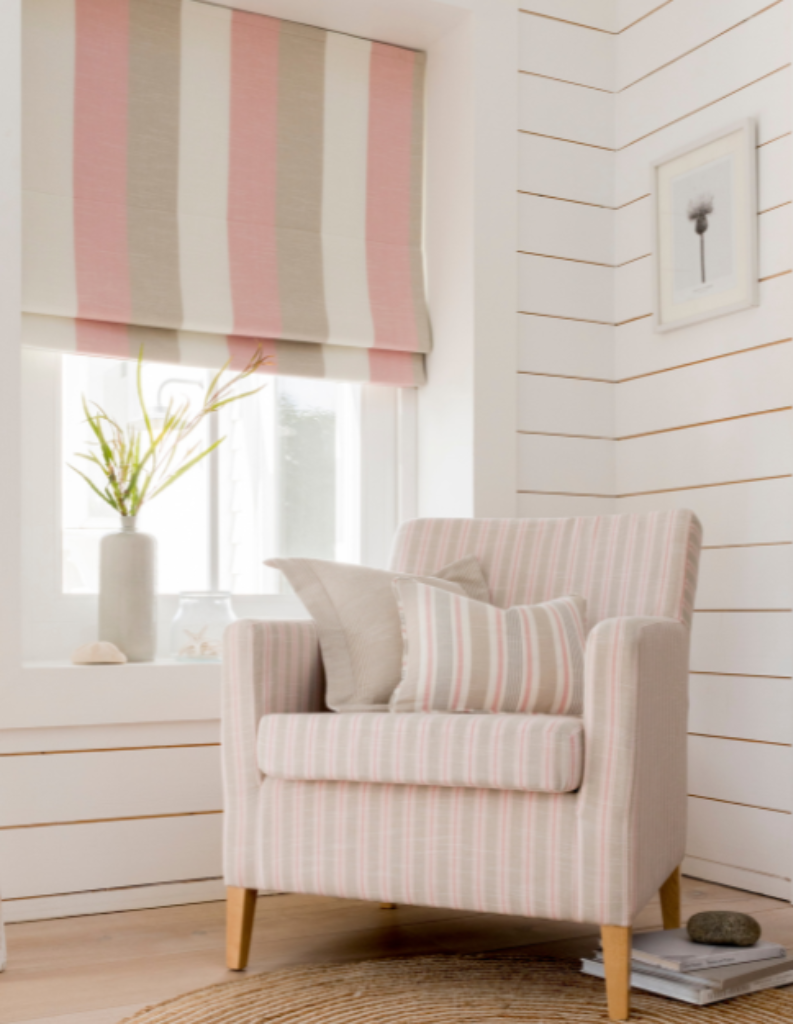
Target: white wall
pixel 110 777
pixel 711 404
pixel 613 417
pixel 566 160
pixel 467 410
pixel 590 372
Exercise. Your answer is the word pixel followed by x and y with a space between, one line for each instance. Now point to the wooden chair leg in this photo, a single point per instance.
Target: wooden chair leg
pixel 670 900
pixel 388 906
pixel 617 961
pixel 240 909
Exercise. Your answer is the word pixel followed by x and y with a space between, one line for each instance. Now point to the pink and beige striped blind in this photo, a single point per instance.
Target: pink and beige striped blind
pixel 203 181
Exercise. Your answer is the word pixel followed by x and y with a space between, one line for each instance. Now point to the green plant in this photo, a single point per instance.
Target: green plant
pixel 139 464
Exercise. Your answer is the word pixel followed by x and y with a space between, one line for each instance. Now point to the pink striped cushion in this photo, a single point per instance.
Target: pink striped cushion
pixel 464 655
pixel 533 753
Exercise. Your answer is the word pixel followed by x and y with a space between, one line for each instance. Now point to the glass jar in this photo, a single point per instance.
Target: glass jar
pixel 198 626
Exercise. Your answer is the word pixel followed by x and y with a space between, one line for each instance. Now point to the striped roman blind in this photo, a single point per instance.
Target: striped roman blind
pixel 205 181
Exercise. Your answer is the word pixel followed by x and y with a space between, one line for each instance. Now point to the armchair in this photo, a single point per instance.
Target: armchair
pixel 589 813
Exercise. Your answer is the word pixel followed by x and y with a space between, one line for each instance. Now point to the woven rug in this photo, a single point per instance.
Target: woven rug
pixel 443 990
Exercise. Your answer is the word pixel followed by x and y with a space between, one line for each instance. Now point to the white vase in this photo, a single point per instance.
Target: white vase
pixel 128 591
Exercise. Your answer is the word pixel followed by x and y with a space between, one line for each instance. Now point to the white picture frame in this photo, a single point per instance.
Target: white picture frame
pixel 704 214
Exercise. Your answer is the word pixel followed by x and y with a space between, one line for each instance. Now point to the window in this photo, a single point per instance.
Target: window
pixel 308 467
pixel 285 481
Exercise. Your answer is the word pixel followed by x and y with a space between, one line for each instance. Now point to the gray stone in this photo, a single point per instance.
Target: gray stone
pixel 723 928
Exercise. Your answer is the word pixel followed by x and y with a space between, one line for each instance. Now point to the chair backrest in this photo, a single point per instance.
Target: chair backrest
pixel 643 564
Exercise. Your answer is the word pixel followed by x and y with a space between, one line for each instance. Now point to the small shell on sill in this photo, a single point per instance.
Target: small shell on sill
pixel 100 653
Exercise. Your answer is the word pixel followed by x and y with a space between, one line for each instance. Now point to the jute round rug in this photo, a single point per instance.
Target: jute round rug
pixel 444 990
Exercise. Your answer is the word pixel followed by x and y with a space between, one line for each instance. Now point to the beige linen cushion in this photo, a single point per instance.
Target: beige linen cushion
pixel 355 611
pixel 463 655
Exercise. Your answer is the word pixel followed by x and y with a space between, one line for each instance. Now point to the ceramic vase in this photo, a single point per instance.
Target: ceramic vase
pixel 128 591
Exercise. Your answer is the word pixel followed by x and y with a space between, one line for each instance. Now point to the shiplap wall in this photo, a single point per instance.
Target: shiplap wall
pixel 605 87
pixel 703 414
pixel 109 818
pixel 614 417
pixel 566 243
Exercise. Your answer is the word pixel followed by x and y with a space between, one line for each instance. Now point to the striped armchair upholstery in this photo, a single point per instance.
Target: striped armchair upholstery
pixel 596 854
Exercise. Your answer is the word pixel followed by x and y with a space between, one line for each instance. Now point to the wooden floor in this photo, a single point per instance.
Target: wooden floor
pixel 97 970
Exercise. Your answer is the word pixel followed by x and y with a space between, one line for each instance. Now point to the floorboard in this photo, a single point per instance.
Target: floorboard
pixel 100 969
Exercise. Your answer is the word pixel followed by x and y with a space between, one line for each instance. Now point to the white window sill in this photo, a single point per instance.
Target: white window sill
pixel 159 665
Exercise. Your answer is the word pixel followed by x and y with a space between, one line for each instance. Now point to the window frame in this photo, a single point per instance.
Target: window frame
pixel 54 623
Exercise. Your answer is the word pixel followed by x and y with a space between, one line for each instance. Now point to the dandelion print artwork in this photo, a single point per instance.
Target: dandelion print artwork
pixel 699 210
pixel 704 203
pixel 704 247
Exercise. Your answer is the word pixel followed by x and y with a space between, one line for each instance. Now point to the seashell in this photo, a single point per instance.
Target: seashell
pixel 102 652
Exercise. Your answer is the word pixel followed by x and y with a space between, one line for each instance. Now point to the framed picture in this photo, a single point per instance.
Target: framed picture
pixel 704 201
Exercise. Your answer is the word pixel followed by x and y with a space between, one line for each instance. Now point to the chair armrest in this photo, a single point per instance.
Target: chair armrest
pixel 632 804
pixel 268 667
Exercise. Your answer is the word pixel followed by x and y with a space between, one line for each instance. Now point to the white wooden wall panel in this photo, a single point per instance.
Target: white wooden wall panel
pixel 45 788
pixel 755 774
pixel 109 855
pixel 565 265
pixel 735 473
pixel 566 348
pixel 741 707
pixel 768 101
pixel 753 643
pixel 565 464
pixel 565 111
pixel 744 383
pixel 703 77
pixel 109 737
pixel 632 231
pixel 572 53
pixel 750 577
pixel 556 506
pixel 551 227
pixel 633 291
pixel 741 837
pixel 630 12
pixel 775 173
pixel 555 405
pixel 598 14
pixel 673 30
pixel 752 513
pixel 640 350
pixel 758 446
pixel 549 167
pixel 561 288
pixel 774 241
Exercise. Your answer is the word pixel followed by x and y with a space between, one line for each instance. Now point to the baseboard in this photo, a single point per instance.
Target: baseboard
pixel 208 890
pixel 738 878
pixel 108 901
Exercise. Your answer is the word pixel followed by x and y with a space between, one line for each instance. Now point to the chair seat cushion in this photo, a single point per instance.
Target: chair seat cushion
pixel 533 753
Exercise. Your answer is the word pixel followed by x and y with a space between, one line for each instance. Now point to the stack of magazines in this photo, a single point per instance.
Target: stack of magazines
pixel 670 964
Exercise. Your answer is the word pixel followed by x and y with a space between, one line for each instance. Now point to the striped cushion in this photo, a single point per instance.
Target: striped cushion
pixel 464 655
pixel 357 620
pixel 533 753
